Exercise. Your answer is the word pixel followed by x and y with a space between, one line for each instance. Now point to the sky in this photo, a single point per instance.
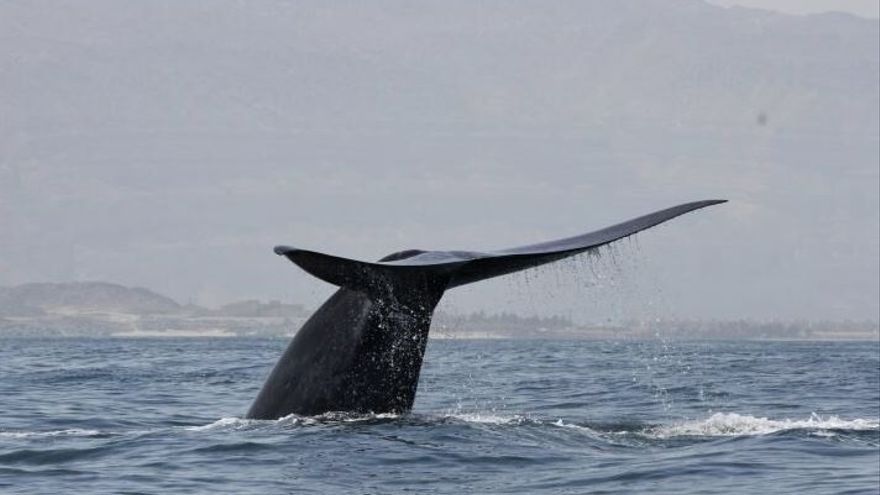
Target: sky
pixel 863 8
pixel 171 145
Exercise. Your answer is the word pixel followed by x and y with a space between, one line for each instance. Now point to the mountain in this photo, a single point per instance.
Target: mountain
pixel 101 309
pixel 72 298
pixel 35 298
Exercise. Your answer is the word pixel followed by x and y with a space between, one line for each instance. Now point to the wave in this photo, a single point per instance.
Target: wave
pixel 332 418
pixel 733 424
pixel 716 425
pixel 72 432
pixel 488 418
pixel 293 420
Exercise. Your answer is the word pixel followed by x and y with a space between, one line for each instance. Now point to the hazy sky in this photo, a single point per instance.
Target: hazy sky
pixel 172 144
pixel 864 8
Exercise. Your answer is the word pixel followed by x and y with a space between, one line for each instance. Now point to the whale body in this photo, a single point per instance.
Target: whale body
pixel 362 350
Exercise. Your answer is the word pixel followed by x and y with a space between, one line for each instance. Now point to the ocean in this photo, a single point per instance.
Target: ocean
pixel 491 416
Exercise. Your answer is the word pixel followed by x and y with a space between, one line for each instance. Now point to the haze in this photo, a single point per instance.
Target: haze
pixel 172 144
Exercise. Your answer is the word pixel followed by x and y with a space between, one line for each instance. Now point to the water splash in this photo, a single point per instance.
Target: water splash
pixel 593 287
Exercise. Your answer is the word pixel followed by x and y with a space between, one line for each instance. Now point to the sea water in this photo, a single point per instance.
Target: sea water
pixel 493 416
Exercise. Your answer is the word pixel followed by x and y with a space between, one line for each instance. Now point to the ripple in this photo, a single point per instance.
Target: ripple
pixel 591 422
pixel 50 456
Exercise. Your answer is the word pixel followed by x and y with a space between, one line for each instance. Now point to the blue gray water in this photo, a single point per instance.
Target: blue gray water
pixel 161 416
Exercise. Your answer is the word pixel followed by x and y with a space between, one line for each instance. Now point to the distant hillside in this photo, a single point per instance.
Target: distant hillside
pixel 253 308
pixel 72 298
pixel 101 309
pixel 38 298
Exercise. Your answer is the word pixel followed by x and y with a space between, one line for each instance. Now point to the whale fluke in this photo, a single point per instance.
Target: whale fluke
pixel 362 350
pixel 463 267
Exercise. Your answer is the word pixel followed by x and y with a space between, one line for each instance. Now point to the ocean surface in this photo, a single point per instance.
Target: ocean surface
pixel 515 416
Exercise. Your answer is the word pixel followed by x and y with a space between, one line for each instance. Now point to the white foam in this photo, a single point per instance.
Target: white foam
pixel 290 420
pixel 716 425
pixel 491 419
pixel 585 429
pixel 73 432
pixel 733 424
pixel 227 423
pixel 348 417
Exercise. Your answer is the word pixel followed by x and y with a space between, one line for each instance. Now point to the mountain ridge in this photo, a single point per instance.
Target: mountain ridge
pixel 84 296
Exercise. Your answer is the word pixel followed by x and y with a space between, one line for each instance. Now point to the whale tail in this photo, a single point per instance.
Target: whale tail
pixel 362 350
pixel 432 271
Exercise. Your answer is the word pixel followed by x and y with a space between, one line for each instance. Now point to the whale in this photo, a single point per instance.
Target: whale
pixel 362 350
